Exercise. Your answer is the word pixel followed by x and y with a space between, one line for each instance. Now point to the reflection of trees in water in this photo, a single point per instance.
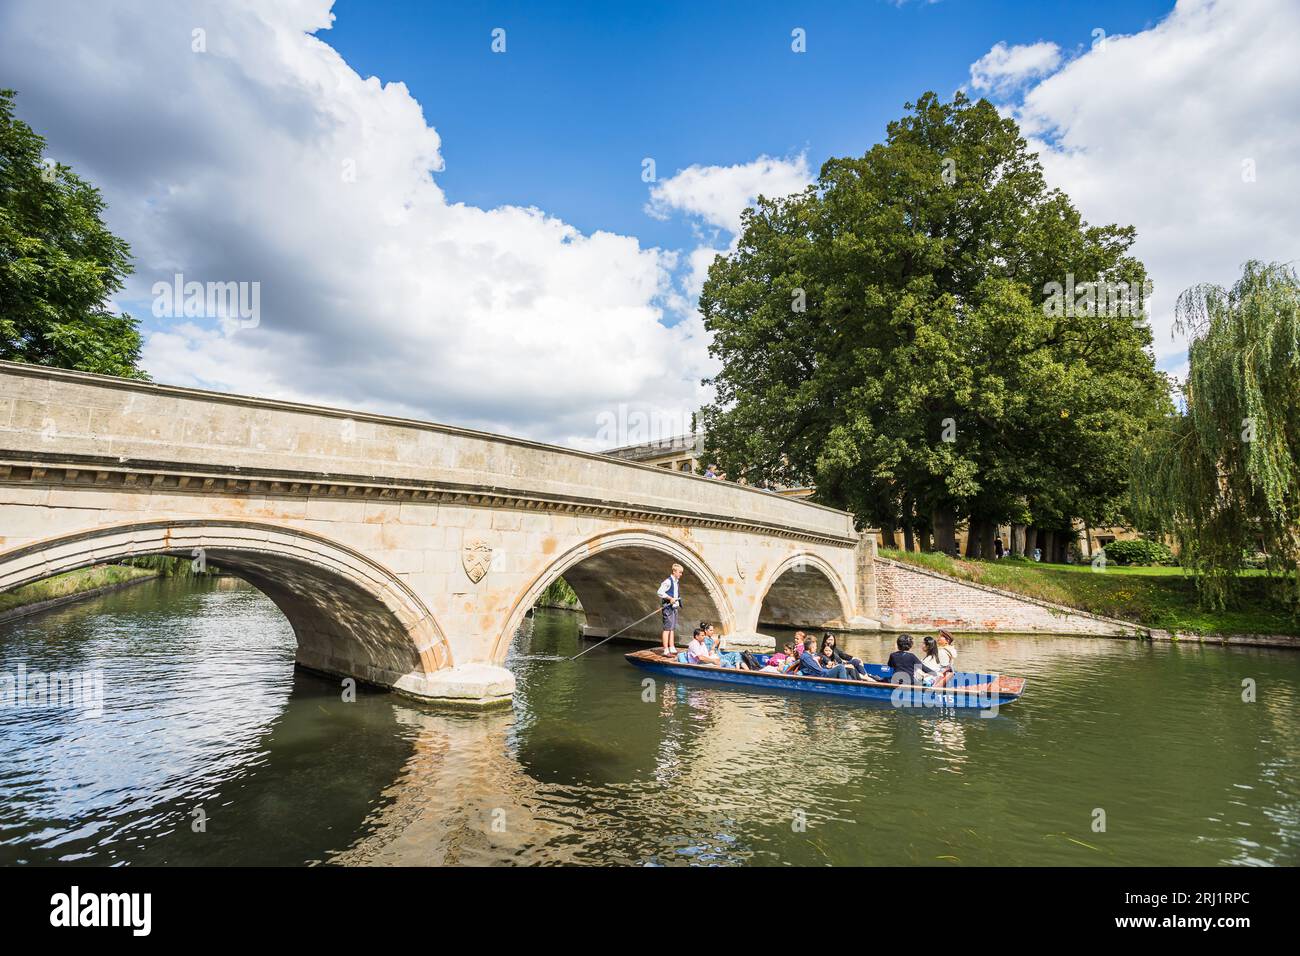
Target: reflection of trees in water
pixel 696 776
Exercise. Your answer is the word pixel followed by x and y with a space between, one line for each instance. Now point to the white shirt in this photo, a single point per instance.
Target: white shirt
pixel 669 588
pixel 930 661
pixel 943 659
pixel 697 649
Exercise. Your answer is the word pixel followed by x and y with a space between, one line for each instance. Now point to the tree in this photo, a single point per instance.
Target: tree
pixel 59 264
pixel 1223 474
pixel 900 334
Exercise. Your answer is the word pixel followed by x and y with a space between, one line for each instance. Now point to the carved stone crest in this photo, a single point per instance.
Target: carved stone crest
pixel 476 555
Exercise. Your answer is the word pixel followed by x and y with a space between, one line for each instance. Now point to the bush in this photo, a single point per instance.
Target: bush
pixel 1139 552
pixel 559 594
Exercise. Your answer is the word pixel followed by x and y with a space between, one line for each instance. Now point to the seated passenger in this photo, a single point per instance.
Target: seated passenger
pixel 831 654
pixel 936 657
pixel 801 642
pixel 791 663
pixel 781 661
pixel 715 642
pixel 810 665
pixel 699 652
pixel 948 649
pixel 904 666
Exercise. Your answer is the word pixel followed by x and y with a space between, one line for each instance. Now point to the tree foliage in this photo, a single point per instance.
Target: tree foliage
pixel 888 335
pixel 1223 474
pixel 59 264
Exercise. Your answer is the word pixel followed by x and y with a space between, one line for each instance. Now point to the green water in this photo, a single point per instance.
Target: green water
pixel 210 749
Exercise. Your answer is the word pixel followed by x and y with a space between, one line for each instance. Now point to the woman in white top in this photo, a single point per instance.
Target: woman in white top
pixel 937 658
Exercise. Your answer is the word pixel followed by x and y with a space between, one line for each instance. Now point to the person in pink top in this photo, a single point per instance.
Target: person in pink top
pixel 781 661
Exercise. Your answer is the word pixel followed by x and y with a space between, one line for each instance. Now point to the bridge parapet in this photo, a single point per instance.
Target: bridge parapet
pixel 54 417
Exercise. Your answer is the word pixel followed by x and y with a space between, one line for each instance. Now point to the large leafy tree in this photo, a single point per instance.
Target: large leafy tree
pixel 889 335
pixel 59 264
pixel 1224 473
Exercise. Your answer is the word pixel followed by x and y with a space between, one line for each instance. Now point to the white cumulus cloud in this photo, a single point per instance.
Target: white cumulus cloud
pixel 1188 131
pixel 1005 67
pixel 252 152
pixel 719 194
pixel 714 197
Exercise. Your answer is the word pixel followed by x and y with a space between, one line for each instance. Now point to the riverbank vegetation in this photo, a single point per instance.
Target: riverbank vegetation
pixel 86 580
pixel 170 567
pixel 1222 474
pixel 559 594
pixel 73 582
pixel 1159 597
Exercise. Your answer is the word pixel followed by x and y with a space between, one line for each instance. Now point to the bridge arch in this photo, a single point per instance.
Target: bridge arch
pixel 615 575
pixel 350 615
pixel 805 591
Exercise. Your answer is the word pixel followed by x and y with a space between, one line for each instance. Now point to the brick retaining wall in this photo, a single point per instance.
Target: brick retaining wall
pixel 913 597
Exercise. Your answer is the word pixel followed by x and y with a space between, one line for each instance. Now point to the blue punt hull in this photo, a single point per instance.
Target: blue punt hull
pixel 967 690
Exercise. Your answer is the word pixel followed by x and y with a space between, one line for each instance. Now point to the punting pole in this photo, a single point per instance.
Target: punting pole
pixel 614 635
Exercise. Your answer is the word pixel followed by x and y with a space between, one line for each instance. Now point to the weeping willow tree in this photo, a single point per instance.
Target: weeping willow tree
pixel 1224 474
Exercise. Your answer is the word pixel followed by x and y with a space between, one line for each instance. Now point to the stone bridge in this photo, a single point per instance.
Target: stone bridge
pixel 403 553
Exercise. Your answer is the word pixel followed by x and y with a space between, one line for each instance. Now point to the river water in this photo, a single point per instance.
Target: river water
pixel 211 749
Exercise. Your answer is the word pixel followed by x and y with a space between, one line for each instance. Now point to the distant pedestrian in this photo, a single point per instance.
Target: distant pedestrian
pixel 711 471
pixel 998 551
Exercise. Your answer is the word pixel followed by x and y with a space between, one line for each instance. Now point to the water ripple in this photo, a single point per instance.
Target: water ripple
pixel 204 716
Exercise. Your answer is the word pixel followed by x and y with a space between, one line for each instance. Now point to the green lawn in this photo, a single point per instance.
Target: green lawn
pixel 1156 597
pixel 73 582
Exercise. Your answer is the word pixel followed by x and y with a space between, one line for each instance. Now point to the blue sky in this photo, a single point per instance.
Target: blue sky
pixel 525 287
pixel 585 91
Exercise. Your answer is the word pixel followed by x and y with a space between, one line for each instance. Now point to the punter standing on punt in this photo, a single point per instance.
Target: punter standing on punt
pixel 671 598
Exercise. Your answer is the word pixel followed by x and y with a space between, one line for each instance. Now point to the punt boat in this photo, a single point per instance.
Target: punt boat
pixel 966 689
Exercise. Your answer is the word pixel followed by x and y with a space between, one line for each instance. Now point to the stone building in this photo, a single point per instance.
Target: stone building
pixel 685 453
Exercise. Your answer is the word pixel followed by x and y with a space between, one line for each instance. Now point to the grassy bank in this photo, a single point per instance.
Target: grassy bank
pixel 1156 597
pixel 73 582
